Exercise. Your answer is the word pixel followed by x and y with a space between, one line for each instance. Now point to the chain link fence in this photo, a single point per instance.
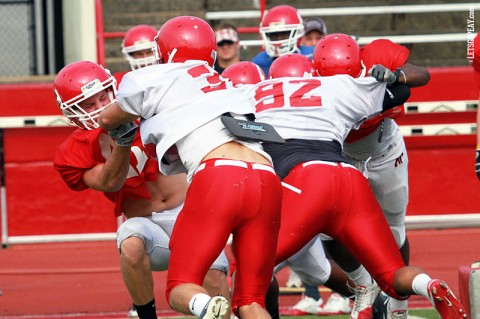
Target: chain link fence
pixel 17 38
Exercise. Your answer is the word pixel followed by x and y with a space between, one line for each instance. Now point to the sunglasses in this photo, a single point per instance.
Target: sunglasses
pixel 225 42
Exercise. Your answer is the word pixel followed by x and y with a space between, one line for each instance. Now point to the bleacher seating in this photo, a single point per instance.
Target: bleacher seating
pixel 123 14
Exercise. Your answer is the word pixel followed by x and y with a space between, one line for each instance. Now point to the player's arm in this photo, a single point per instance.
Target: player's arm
pixel 395 95
pixel 413 75
pixel 111 175
pixel 113 116
pixel 408 74
pixel 396 92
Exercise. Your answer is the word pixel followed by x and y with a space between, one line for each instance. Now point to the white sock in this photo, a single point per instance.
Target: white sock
pixel 395 304
pixel 197 303
pixel 360 276
pixel 420 286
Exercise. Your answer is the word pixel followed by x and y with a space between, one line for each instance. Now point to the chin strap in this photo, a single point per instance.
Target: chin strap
pixel 170 58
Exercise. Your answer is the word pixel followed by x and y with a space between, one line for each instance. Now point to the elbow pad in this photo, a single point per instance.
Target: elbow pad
pixel 395 95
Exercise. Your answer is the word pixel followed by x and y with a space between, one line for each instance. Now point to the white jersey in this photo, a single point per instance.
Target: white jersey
pixel 322 109
pixel 176 99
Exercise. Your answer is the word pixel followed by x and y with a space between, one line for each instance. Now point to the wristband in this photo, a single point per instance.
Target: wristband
pixel 404 77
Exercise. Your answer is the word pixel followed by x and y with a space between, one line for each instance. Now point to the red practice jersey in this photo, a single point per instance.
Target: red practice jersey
pixel 85 149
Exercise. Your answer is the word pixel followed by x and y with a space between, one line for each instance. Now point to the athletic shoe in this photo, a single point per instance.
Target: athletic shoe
pixel 364 298
pixel 132 313
pixel 216 308
pixel 447 305
pixel 335 305
pixel 397 314
pixel 306 306
pixel 380 306
pixel 293 280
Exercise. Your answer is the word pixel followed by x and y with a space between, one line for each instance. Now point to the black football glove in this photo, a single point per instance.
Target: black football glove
pixel 124 134
pixel 477 163
pixel 383 74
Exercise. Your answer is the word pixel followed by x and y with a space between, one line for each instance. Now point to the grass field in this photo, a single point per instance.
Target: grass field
pixel 412 314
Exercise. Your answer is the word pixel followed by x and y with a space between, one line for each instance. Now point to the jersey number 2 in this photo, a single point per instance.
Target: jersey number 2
pixel 299 98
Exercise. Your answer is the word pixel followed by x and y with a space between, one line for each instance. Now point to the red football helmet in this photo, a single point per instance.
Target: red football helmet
pixel 337 53
pixel 77 82
pixel 292 65
pixel 281 19
pixel 244 72
pixel 186 38
pixel 139 38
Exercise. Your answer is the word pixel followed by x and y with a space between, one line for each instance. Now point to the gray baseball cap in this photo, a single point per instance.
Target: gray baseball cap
pixel 316 24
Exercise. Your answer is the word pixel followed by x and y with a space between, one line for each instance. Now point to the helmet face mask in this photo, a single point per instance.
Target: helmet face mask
pixel 139 39
pixel 279 20
pixel 78 82
pixel 186 38
pixel 138 63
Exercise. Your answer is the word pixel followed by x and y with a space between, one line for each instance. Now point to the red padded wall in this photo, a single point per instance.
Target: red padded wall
pixel 28 99
pixel 441 175
pixel 38 201
pixel 447 84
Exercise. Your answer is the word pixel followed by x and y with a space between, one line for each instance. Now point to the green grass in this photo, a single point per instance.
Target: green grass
pixel 418 313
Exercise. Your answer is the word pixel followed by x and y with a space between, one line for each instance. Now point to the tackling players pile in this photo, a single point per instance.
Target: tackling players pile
pixel 336 128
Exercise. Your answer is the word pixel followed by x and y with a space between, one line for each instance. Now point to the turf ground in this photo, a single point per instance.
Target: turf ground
pixel 413 314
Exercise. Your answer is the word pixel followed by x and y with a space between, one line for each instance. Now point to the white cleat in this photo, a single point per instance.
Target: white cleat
pixel 216 308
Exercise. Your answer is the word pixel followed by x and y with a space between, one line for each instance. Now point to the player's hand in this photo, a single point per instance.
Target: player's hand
pixel 383 74
pixel 477 163
pixel 124 134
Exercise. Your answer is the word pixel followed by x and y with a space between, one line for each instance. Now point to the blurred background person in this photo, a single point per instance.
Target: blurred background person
pixel 137 48
pixel 228 46
pixel 315 29
pixel 281 29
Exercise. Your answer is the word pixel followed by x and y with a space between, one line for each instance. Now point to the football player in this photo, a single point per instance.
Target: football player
pixel 115 163
pixel 137 47
pixel 377 147
pixel 281 29
pixel 186 106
